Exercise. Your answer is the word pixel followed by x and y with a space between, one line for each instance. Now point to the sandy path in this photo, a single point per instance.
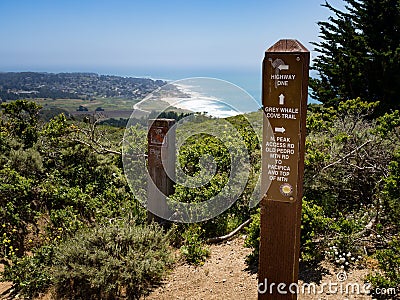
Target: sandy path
pixel 4 286
pixel 225 276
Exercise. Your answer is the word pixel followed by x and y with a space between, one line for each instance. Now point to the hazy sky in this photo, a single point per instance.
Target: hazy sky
pixel 99 35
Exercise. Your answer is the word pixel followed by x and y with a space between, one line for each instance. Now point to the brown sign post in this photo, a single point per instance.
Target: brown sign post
pixel 161 167
pixel 284 99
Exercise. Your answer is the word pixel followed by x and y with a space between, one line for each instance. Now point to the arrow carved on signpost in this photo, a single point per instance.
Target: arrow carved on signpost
pixel 281 99
pixel 283 67
pixel 280 129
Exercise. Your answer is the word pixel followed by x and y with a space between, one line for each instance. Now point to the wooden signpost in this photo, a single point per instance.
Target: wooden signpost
pixel 161 167
pixel 284 99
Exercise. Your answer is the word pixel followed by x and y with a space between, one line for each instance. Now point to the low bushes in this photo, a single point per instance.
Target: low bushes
pixel 108 261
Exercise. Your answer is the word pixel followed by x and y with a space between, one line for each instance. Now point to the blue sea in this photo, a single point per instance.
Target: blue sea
pixel 215 97
pixel 247 79
pixel 219 93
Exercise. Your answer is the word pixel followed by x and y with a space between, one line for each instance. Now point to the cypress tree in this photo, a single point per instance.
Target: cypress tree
pixel 359 54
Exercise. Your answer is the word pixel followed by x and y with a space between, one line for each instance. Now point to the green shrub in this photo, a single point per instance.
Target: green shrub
pixel 253 238
pixel 345 248
pixel 343 254
pixel 223 166
pixel 391 191
pixel 18 209
pixel 106 261
pixel 20 118
pixel 221 224
pixel 193 248
pixel 30 275
pixel 388 277
pixel 346 156
pixel 388 123
pixel 28 162
pixel 314 225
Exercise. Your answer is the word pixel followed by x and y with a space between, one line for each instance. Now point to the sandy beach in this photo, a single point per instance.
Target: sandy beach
pixel 198 102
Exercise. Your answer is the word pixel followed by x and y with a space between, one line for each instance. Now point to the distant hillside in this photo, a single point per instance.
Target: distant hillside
pixel 85 86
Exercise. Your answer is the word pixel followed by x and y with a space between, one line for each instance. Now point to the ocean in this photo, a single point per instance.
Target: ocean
pixel 219 93
pixel 215 97
pixel 248 79
pixel 240 89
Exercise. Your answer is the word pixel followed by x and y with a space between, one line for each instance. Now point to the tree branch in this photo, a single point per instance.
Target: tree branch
pixel 343 158
pixel 220 239
pixel 102 150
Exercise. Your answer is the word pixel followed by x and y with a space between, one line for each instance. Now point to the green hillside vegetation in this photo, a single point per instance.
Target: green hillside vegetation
pixel 71 105
pixel 62 184
pixel 61 188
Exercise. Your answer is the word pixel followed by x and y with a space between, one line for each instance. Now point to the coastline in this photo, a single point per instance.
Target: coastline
pixel 200 103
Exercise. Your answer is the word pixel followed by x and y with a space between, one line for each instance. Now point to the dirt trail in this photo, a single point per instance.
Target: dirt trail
pixel 4 286
pixel 225 276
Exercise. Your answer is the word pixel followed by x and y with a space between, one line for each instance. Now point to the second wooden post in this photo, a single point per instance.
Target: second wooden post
pixel 161 167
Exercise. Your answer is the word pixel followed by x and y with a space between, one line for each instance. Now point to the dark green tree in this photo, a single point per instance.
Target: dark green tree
pixel 359 54
pixel 20 119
